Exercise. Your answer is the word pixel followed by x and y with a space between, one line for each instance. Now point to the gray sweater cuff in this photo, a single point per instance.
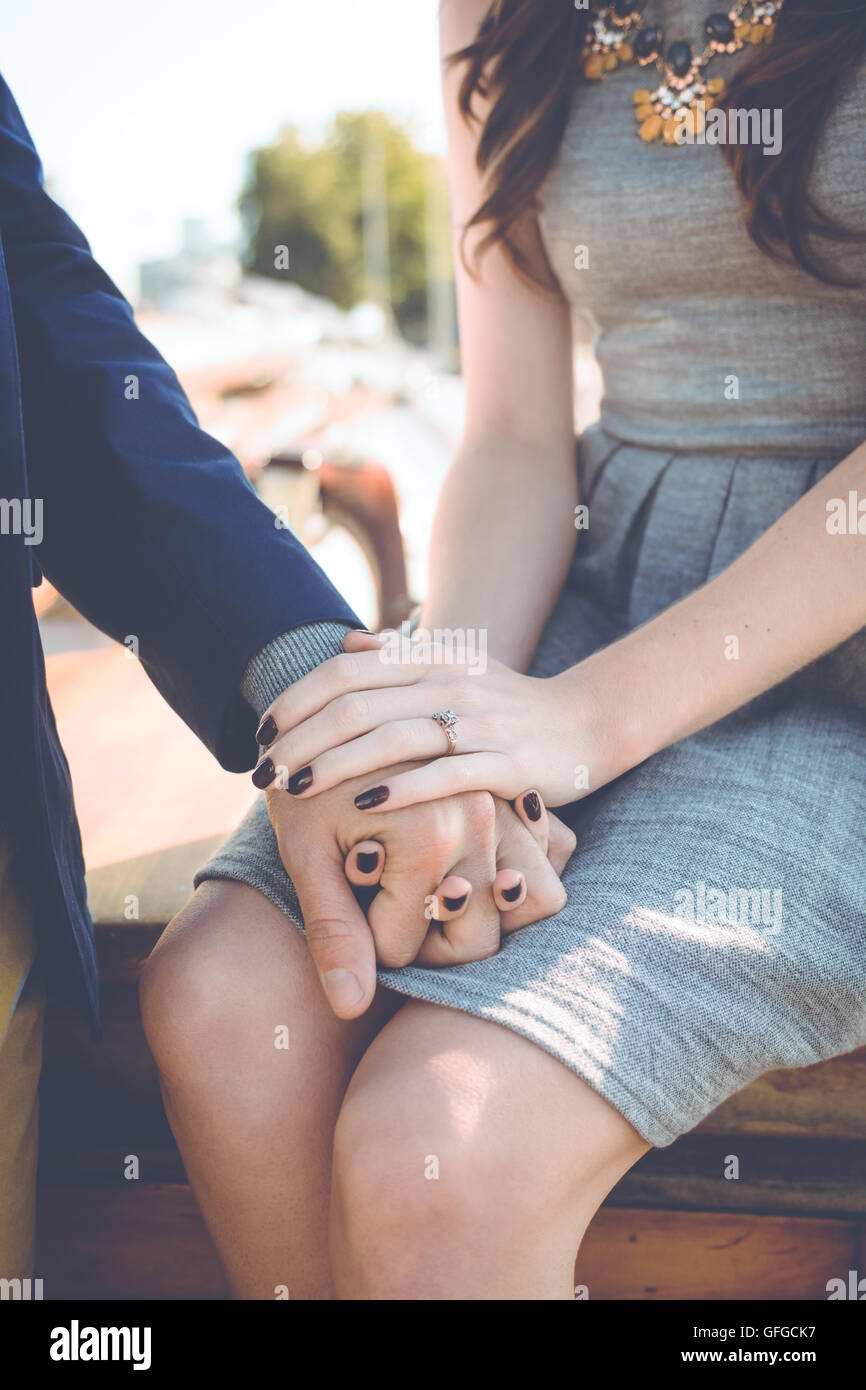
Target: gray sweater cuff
pixel 287 658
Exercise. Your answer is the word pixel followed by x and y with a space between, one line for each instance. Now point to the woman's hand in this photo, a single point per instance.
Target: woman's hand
pixel 446 875
pixel 367 709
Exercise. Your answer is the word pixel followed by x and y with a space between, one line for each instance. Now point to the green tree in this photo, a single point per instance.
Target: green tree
pixel 311 200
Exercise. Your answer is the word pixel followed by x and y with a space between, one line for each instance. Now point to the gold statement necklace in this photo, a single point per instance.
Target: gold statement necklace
pixel 617 34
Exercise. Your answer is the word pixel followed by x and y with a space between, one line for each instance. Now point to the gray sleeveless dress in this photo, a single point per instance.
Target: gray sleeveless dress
pixel 716 918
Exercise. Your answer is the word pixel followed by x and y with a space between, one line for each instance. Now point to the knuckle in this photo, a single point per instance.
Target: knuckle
pixel 328 937
pixel 483 949
pixel 479 809
pixel 467 697
pixel 436 825
pixel 558 899
pixel 396 954
pixel 462 774
pixel 347 671
pixel 350 711
pixel 403 740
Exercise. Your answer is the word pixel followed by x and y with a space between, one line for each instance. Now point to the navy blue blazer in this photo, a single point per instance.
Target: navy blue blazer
pixel 149 528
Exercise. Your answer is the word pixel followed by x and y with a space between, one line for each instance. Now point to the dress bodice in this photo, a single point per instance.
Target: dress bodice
pixel 703 340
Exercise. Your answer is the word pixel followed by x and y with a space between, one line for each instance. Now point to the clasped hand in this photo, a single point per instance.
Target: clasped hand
pixel 462 848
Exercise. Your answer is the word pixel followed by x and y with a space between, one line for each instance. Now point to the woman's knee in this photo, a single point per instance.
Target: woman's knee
pixel 407 1186
pixel 228 964
pixel 458 1135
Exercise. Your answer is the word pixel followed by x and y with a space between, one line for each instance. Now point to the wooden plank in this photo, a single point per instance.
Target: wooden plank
pixel 100 1163
pixel 777 1177
pixel 130 1241
pixel 135 1241
pixel 133 900
pixel 708 1256
pixel 805 1177
pixel 827 1100
pixel 107 1080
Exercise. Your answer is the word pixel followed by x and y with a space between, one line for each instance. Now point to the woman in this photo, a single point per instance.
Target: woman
pixel 680 699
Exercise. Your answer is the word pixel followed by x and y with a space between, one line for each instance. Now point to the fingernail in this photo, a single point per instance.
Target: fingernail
pixel 342 988
pixel 374 797
pixel 454 904
pixel 532 805
pixel 266 732
pixel 512 894
pixel 367 862
pixel 264 773
pixel 299 781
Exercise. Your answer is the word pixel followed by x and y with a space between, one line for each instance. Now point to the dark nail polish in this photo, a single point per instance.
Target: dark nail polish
pixel 454 904
pixel 374 797
pixel 266 732
pixel 368 863
pixel 264 773
pixel 532 805
pixel 512 894
pixel 299 781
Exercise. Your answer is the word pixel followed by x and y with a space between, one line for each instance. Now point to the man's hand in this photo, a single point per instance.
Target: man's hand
pixel 472 836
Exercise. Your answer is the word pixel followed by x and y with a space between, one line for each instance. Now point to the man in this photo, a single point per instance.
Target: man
pixel 148 526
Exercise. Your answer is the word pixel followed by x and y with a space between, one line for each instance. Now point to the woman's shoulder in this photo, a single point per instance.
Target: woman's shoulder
pixel 459 21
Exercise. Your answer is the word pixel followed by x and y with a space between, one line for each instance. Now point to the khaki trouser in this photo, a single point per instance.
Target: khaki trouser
pixel 22 1011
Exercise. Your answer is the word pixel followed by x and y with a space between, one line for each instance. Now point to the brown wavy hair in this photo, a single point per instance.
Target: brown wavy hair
pixel 525 61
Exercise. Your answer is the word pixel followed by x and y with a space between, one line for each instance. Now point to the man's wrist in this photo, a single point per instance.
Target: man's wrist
pixel 289 657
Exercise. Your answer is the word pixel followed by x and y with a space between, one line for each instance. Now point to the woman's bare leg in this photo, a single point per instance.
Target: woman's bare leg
pixel 467 1164
pixel 254 1067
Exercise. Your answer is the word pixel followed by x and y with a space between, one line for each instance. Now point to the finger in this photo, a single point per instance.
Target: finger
pixel 517 849
pixel 359 639
pixel 561 843
pixel 462 939
pixel 340 675
pixel 348 719
pixel 364 863
pixel 491 772
pixel 509 890
pixel 475 933
pixel 449 900
pixel 420 850
pixel 532 811
pixel 338 936
pixel 404 741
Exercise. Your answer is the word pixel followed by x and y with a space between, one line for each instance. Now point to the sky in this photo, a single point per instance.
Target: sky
pixel 144 115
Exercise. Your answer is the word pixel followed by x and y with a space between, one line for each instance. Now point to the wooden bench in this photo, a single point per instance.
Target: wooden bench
pixel 674 1228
